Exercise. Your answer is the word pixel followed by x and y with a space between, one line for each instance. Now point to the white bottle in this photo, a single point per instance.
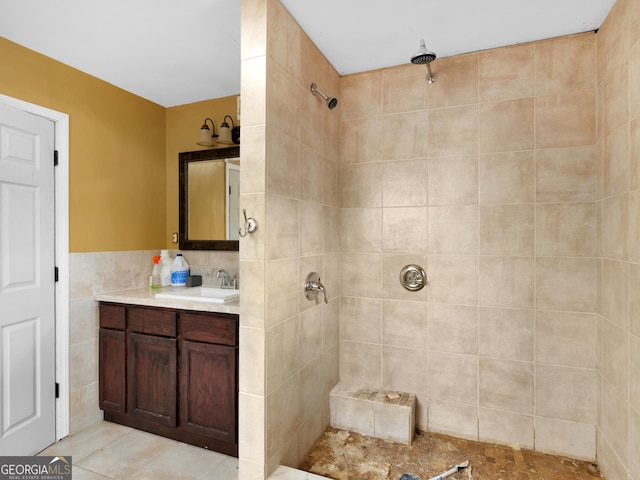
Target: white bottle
pixel 165 268
pixel 179 271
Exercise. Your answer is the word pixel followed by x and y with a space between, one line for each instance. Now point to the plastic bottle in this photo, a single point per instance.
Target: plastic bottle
pixel 179 271
pixel 165 268
pixel 156 281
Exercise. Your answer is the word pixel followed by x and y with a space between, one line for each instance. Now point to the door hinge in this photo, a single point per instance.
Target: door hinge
pixel 55 274
pixel 57 390
pixel 55 158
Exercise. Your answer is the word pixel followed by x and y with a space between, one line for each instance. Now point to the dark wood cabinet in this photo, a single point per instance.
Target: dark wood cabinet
pixel 171 372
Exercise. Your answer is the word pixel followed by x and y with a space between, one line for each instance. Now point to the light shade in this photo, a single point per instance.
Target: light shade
pixel 206 138
pixel 225 131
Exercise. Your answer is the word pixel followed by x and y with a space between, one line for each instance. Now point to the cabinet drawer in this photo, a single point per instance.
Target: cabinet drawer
pixel 152 321
pixel 217 328
pixel 112 316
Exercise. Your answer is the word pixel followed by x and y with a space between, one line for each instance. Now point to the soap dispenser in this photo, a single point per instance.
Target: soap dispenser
pixel 156 281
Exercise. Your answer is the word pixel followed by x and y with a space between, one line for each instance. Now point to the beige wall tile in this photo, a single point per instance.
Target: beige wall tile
pixel 361 185
pixel 310 336
pixel 330 230
pixel 506 333
pixel 357 267
pixel 614 364
pixel 282 359
pixel 310 399
pixel 506 126
pixel 634 299
pixel 564 338
pixel 361 140
pixel 506 281
pixel 361 95
pixel 616 162
pixel 283 101
pixel 566 393
pixel 83 364
pixel 566 174
pixel 282 290
pixel 506 230
pixel 330 183
pixel 312 114
pixel 615 227
pixel 453 229
pixel 83 320
pixel 453 131
pixel 634 77
pixel 361 320
pixel 506 73
pixel 405 370
pixel 254 29
pixel 284 39
pixel 283 232
pixel 568 284
pixel 252 309
pixel 560 437
pixel 404 183
pixel 453 180
pixel 453 378
pixel 453 279
pixel 498 426
pixel 634 373
pixel 83 408
pixel 506 178
pixel 405 230
pixel 253 74
pixel 453 419
pixel 616 98
pixel 453 329
pixel 613 37
pixel 506 385
pixel 361 230
pixel 566 120
pixel 252 361
pixel 615 289
pixel 310 175
pixel 283 417
pixel 457 81
pixel 566 229
pixel 634 154
pixel 634 443
pixel 615 421
pixel 404 324
pixel 404 89
pixel 310 228
pixel 361 364
pixel 405 135
pixel 565 64
pixel 252 180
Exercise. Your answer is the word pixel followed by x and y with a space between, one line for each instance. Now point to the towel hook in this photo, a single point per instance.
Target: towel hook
pixel 250 224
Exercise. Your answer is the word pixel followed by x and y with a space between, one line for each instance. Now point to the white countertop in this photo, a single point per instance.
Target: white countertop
pixel 146 296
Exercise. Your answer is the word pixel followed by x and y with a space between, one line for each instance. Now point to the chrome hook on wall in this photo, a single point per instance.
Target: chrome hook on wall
pixel 250 224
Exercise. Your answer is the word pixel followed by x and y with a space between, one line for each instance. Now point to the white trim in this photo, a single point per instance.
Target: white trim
pixel 61 121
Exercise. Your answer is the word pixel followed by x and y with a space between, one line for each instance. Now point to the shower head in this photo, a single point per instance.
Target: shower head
pixel 331 101
pixel 425 57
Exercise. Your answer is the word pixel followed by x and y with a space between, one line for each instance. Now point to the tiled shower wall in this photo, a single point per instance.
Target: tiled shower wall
pixel 103 272
pixel 487 179
pixel 289 350
pixel 618 137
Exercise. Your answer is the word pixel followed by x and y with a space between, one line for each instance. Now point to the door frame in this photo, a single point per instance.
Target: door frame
pixel 61 186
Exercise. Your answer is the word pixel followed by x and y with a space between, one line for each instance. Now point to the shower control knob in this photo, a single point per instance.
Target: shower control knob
pixel 413 278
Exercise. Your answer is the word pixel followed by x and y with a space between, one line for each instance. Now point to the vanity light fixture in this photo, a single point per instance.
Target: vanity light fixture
pixel 225 131
pixel 207 139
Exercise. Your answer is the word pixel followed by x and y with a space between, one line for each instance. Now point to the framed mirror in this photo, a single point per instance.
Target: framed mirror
pixel 209 203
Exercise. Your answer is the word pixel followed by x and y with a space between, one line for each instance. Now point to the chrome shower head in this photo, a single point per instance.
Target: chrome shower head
pixel 331 101
pixel 425 57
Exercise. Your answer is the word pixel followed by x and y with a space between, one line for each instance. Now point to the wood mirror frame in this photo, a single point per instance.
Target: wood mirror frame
pixel 185 158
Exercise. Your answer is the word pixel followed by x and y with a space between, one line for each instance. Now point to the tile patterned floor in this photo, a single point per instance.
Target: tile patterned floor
pixel 342 455
pixel 108 451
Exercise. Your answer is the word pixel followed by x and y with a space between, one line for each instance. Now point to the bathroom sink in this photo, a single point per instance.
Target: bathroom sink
pixel 201 294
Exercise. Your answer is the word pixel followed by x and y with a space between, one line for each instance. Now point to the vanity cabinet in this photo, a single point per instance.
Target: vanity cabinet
pixel 171 372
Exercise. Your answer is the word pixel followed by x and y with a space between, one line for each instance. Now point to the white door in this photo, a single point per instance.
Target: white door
pixel 27 308
pixel 233 201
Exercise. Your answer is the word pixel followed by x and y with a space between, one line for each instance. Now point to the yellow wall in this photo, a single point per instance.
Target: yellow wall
pixel 183 126
pixel 117 172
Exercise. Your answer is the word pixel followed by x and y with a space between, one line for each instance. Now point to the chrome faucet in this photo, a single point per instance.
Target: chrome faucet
pixel 312 286
pixel 224 283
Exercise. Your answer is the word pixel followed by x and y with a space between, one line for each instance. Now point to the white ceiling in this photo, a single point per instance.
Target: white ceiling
pixel 174 52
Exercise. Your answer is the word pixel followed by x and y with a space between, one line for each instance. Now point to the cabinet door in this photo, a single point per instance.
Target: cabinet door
pixel 208 391
pixel 112 370
pixel 152 378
